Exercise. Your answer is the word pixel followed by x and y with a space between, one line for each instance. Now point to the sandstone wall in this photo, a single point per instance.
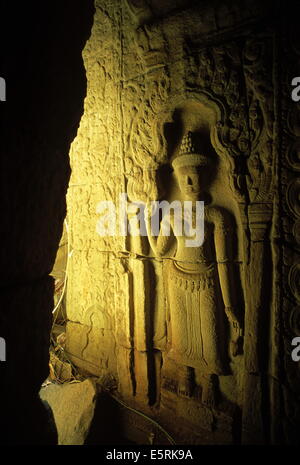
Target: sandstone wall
pixel 155 71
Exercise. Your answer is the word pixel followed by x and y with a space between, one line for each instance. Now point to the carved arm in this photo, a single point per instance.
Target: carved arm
pixel 160 243
pixel 223 242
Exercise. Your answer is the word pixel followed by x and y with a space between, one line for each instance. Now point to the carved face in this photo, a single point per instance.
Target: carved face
pixel 189 181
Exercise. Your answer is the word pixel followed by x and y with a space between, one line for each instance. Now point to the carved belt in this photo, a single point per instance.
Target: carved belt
pixel 191 281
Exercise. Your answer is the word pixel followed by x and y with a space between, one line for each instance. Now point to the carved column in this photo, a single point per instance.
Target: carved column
pixel 256 347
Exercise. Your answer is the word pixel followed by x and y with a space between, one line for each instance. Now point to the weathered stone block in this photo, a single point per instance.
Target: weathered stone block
pixel 73 407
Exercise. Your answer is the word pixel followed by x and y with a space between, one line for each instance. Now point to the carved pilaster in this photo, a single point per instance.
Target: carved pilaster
pixel 256 347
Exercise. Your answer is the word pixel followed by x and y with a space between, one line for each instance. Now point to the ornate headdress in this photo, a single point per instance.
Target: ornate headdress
pixel 189 155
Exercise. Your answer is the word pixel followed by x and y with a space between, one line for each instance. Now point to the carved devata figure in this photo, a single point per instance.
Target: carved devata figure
pixel 199 280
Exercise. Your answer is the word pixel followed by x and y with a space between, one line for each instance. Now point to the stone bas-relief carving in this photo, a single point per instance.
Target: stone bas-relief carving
pixel 201 290
pixel 186 334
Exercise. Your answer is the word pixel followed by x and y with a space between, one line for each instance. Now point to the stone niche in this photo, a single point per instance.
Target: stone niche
pixel 181 105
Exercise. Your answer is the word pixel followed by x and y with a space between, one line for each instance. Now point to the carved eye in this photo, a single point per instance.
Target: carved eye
pixel 189 181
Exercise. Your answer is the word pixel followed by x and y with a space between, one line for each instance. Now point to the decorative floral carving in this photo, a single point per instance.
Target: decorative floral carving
pixel 295 320
pixel 293 155
pixel 293 196
pixel 294 280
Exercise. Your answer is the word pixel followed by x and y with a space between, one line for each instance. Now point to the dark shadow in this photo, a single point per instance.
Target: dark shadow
pixel 107 426
pixel 151 289
pixel 41 62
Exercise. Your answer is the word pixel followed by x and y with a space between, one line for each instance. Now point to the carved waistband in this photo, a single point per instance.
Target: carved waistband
pixel 191 281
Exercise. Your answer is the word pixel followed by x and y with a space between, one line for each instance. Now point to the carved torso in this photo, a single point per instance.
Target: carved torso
pixel 199 258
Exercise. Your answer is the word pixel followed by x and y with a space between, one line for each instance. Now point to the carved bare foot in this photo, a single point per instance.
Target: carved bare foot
pixel 209 391
pixel 184 390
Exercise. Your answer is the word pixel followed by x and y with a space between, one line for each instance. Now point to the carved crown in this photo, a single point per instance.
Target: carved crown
pixel 189 153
